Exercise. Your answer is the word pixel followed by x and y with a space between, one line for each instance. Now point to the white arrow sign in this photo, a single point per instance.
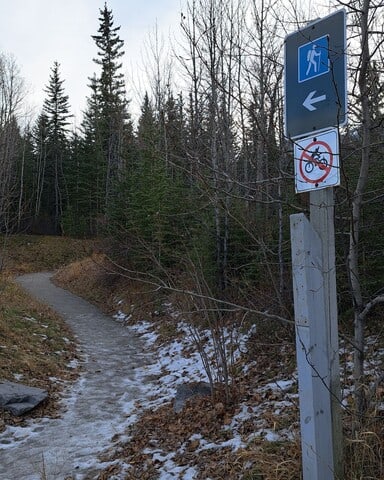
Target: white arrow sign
pixel 311 100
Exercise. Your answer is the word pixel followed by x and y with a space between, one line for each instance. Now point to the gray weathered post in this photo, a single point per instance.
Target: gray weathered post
pixel 311 351
pixel 316 103
pixel 322 220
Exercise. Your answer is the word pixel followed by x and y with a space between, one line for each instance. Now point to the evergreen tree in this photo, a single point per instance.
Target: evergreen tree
pixel 112 125
pixel 56 110
pixel 87 206
pixel 148 209
pixel 40 144
pixel 148 133
pixel 27 177
pixel 76 215
pixel 174 134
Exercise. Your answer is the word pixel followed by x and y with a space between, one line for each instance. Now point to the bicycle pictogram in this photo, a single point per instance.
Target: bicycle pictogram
pixel 316 162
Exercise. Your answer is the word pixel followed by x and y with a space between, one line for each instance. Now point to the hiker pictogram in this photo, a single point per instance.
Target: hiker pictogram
pixel 313 59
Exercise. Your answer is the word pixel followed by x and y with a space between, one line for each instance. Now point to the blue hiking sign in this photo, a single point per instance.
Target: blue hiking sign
pixel 315 77
pixel 313 59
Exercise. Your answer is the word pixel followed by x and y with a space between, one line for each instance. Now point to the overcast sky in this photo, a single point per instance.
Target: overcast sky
pixel 39 32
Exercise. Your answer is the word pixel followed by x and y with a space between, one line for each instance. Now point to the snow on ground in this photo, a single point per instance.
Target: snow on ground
pixel 177 363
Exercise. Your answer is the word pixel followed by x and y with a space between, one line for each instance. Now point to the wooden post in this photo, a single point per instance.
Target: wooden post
pixel 322 220
pixel 312 351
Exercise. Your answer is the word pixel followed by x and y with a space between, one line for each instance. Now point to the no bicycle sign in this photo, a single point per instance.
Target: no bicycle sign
pixel 317 162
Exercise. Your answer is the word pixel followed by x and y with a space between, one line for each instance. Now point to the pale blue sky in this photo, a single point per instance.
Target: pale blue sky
pixel 39 32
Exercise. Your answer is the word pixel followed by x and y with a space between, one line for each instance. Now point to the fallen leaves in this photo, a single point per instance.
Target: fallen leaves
pixel 211 437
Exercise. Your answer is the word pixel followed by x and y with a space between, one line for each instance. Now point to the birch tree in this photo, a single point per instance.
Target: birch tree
pixel 12 93
pixel 367 24
pixel 210 29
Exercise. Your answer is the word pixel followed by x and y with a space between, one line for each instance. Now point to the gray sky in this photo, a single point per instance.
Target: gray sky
pixel 40 32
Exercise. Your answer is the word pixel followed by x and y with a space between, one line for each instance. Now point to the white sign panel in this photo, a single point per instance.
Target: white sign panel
pixel 317 162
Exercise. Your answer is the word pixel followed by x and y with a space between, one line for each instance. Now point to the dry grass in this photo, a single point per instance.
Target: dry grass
pixel 34 340
pixel 88 278
pixel 95 279
pixel 364 452
pixel 35 347
pixel 35 344
pixel 34 253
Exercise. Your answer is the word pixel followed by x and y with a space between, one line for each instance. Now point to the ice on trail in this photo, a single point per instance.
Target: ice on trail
pixel 119 380
pixel 98 406
pixel 101 404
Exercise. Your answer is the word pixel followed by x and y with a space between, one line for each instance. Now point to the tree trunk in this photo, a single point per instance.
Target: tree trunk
pixel 353 257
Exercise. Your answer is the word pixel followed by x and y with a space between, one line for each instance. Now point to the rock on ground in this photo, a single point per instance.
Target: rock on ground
pixel 18 398
pixel 97 407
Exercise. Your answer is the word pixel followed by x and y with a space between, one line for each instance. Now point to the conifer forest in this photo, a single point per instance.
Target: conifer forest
pixel 195 194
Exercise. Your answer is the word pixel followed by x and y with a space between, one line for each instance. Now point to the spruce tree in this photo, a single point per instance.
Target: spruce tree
pixel 112 125
pixel 56 110
pixel 92 168
pixel 149 207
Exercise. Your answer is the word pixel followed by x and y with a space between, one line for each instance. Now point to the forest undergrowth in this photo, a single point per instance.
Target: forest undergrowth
pixel 270 356
pixel 31 336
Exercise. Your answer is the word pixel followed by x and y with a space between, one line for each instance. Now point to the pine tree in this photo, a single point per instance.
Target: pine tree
pixel 148 210
pixel 56 110
pixel 113 123
pixel 90 166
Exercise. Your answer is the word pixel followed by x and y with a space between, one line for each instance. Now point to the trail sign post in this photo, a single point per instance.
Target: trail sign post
pixel 315 77
pixel 315 103
pixel 311 351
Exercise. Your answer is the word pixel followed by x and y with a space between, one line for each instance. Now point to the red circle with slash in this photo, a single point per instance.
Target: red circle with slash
pixel 320 167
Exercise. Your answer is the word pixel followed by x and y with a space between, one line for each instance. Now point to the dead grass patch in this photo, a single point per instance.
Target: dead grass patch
pixel 97 280
pixel 87 278
pixel 34 253
pixel 35 346
pixel 364 452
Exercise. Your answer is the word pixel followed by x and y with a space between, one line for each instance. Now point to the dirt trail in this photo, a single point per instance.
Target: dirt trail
pixel 96 407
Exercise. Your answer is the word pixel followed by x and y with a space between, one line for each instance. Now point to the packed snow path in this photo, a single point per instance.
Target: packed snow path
pixel 95 408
